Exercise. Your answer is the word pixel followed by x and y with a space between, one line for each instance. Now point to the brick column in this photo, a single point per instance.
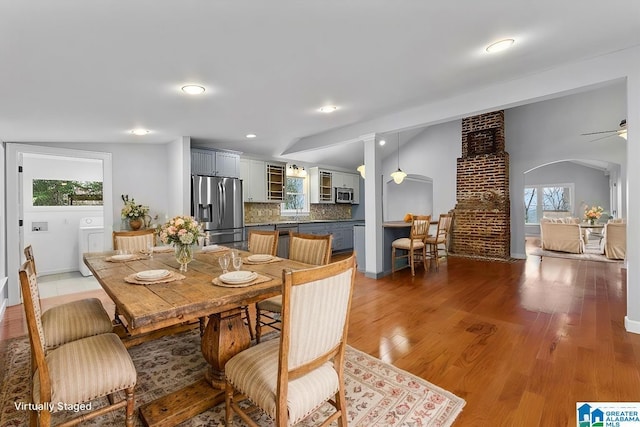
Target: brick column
pixel 482 225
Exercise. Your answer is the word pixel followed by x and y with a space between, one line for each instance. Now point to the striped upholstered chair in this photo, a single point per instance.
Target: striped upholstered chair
pixel 70 321
pixel 263 242
pixel 76 372
pixel 133 241
pixel 288 378
pixel 308 248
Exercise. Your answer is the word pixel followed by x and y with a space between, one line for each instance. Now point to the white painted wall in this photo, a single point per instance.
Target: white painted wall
pixel 431 153
pixel 413 196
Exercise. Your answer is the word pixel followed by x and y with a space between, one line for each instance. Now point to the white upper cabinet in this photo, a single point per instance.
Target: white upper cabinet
pixel 254 184
pixel 215 163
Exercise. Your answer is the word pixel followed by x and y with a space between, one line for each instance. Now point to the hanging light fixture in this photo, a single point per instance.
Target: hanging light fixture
pixel 361 170
pixel 398 176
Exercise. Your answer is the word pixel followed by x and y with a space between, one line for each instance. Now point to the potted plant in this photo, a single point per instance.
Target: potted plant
pixel 133 212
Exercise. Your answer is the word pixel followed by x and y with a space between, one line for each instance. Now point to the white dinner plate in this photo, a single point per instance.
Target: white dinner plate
pixel 237 277
pixel 121 257
pixel 152 274
pixel 259 258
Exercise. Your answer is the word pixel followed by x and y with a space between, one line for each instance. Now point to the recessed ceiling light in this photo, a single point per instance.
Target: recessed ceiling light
pixel 193 89
pixel 251 135
pixel 328 109
pixel 382 142
pixel 140 132
pixel 500 45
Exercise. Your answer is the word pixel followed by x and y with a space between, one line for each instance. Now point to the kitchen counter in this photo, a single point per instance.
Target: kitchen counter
pixel 396 224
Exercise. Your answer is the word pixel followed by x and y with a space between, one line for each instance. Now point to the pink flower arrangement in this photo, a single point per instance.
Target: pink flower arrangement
pixel 180 230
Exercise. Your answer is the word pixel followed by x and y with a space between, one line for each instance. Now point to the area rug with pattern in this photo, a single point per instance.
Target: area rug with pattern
pixel 592 252
pixel 378 394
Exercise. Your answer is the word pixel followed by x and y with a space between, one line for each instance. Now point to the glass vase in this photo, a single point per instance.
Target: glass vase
pixel 184 255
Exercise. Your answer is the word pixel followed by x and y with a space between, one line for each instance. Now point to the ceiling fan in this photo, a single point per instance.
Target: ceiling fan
pixel 621 131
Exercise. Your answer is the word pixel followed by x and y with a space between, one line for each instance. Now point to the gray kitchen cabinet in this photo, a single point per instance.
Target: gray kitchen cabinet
pixel 283 239
pixel 342 232
pixel 215 163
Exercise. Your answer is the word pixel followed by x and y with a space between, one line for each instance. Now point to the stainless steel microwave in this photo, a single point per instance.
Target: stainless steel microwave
pixel 344 195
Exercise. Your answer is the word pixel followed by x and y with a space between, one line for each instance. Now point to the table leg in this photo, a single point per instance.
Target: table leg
pixel 224 336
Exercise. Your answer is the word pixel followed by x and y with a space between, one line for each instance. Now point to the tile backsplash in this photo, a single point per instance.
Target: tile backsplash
pixel 256 213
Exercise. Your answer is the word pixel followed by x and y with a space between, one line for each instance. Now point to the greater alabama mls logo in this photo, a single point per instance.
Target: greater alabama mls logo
pixel 608 414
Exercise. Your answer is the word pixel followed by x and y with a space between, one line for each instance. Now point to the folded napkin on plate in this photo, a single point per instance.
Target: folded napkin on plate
pixel 259 279
pixel 246 260
pixel 170 278
pixel 160 249
pixel 214 248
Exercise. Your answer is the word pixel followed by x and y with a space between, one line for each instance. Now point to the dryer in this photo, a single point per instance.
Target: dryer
pixel 91 239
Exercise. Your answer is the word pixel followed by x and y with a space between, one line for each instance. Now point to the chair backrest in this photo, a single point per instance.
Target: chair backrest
pixel 28 254
pixel 263 242
pixel 133 241
pixel 420 227
pixel 310 248
pixel 31 302
pixel 315 317
pixel 444 225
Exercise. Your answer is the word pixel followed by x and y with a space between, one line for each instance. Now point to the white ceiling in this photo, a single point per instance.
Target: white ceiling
pixel 89 71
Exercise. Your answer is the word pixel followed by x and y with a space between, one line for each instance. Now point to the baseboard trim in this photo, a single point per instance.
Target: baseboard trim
pixel 375 275
pixel 632 326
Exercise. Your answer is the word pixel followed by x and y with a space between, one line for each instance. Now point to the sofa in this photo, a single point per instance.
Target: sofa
pixel 615 240
pixel 562 234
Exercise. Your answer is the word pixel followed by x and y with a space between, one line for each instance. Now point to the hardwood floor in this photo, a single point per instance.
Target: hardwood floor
pixel 521 342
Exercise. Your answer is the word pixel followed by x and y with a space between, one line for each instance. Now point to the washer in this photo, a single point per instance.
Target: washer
pixel 90 239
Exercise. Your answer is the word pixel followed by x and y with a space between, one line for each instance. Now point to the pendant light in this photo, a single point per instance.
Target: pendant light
pixel 361 170
pixel 398 176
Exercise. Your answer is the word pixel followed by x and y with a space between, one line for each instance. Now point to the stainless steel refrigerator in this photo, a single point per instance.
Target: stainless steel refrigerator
pixel 217 203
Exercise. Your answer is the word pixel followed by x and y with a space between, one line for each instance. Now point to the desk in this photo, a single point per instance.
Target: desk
pixel 148 308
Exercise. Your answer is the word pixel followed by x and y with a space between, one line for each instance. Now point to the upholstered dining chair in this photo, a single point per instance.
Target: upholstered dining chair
pixel 70 321
pixel 260 242
pixel 263 242
pixel 312 249
pixel 133 241
pixel 439 244
pixel 76 372
pixel 412 247
pixel 288 378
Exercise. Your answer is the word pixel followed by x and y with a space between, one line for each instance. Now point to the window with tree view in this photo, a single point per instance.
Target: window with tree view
pixel 541 200
pixel 55 192
pixel 295 201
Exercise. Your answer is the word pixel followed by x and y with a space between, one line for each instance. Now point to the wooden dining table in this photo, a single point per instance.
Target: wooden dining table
pixel 148 308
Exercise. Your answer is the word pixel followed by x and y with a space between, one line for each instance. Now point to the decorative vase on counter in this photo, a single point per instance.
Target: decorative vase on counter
pixel 135 224
pixel 592 221
pixel 184 255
